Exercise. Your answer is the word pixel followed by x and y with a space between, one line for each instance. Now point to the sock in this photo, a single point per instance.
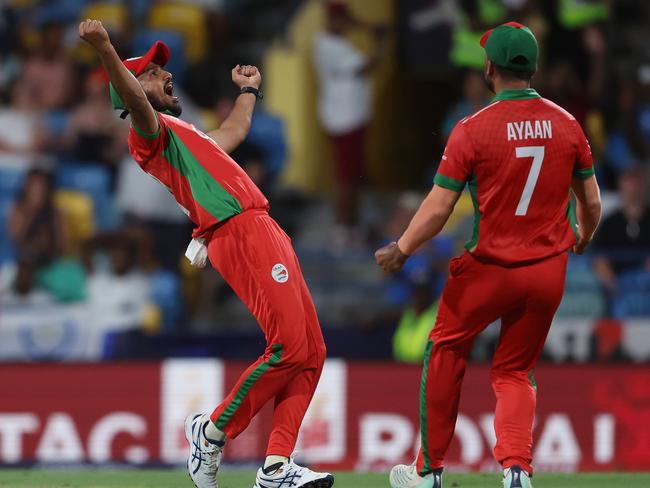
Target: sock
pixel 214 435
pixel 273 463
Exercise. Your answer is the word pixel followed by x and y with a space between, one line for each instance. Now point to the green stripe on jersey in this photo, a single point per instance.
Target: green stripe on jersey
pixel 142 133
pixel 531 377
pixel 473 191
pixel 583 174
pixel 571 215
pixel 207 191
pixel 248 383
pixel 426 464
pixel 448 183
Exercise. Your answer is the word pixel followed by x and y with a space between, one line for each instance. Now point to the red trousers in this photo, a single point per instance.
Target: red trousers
pixel 255 257
pixel 525 298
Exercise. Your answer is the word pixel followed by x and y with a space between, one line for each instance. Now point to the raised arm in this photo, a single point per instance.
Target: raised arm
pixel 143 116
pixel 426 224
pixel 235 127
pixel 588 210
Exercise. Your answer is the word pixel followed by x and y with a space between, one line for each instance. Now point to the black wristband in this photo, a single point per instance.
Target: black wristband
pixel 255 91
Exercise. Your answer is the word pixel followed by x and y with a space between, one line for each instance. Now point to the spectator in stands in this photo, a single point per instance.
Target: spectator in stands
pixel 606 342
pixel 250 157
pixel 266 138
pixel 623 241
pixel 413 292
pixel 638 114
pixel 118 285
pixel 145 204
pixel 22 136
pixel 38 232
pixel 93 133
pixel 565 84
pixel 417 319
pixel 47 76
pixel 345 102
pixel 474 97
pixel 35 225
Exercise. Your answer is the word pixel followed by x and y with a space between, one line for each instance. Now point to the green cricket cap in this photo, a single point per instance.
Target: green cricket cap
pixel 511 46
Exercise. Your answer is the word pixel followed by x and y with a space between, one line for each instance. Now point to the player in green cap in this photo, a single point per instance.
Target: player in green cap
pixel 520 157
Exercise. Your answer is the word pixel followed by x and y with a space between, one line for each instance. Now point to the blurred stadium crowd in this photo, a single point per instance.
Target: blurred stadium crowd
pixel 84 227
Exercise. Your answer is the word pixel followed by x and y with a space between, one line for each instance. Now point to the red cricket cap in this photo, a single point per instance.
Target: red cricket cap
pixel 158 53
pixel 485 36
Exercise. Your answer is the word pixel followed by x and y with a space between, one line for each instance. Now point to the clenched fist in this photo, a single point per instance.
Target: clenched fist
pixel 390 258
pixel 246 76
pixel 93 32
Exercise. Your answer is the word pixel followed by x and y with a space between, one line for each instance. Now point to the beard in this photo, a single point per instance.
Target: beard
pixel 174 108
pixel 488 82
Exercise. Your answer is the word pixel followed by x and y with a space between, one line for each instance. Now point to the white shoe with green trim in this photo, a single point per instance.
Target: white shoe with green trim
pixel 515 477
pixel 291 475
pixel 406 476
pixel 205 456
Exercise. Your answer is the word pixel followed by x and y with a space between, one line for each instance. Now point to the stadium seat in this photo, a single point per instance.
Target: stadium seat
pixel 138 10
pixel 95 181
pixel 633 281
pixel 580 275
pixel 6 246
pixel 114 15
pixel 177 63
pixel 583 295
pixel 633 295
pixel 56 122
pixel 187 20
pixel 587 304
pixel 166 293
pixel 11 181
pixel 78 210
pixel 631 304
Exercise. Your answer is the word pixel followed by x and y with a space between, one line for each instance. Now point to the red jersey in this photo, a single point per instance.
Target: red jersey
pixel 518 156
pixel 207 184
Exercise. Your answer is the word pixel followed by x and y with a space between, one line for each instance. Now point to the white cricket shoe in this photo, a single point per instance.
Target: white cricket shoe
pixel 291 475
pixel 205 456
pixel 406 476
pixel 515 477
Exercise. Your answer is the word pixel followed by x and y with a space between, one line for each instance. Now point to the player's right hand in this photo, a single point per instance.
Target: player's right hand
pixel 93 32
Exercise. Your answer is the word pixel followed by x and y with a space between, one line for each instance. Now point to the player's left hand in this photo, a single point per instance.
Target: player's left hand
pixel 580 246
pixel 390 258
pixel 246 76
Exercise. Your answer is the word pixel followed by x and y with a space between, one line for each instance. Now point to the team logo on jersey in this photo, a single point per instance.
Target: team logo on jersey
pixel 280 273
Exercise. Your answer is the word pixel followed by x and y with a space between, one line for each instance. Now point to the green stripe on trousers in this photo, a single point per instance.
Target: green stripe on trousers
pixel 426 466
pixel 247 384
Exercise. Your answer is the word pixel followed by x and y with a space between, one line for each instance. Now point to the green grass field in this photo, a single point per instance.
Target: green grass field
pixel 15 478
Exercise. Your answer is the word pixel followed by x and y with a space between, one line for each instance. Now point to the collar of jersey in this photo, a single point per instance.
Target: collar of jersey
pixel 523 94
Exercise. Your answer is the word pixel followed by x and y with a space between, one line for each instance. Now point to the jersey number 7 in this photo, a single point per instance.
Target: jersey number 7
pixel 537 153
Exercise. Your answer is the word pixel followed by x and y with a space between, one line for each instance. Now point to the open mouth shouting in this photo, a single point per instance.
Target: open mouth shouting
pixel 169 90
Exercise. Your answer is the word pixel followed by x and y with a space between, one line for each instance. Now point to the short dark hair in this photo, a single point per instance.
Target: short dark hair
pixel 512 75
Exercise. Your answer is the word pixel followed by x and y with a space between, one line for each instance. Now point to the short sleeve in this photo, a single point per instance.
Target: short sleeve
pixel 456 165
pixel 143 146
pixel 584 165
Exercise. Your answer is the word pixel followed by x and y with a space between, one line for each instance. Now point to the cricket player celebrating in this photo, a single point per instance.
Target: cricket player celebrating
pixel 520 157
pixel 248 248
